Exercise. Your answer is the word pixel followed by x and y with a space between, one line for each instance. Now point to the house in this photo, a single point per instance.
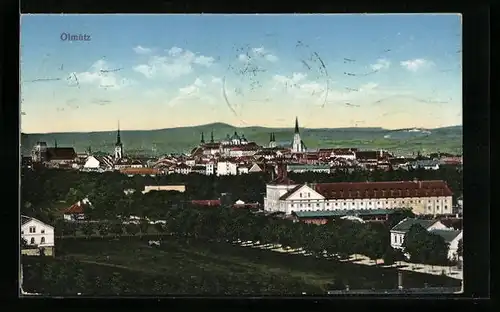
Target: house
pixel 451 237
pixel 318 168
pixel 179 188
pixel 98 162
pixel 427 164
pixel 255 168
pixel 243 169
pixel 140 171
pixel 206 203
pixel 399 231
pixel 37 235
pixel 226 168
pixel 422 197
pixel 76 211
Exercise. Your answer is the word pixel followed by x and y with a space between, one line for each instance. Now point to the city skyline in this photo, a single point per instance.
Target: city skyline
pixel 159 71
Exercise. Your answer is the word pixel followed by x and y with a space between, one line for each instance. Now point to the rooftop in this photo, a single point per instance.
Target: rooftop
pixel 405 225
pixel 448 235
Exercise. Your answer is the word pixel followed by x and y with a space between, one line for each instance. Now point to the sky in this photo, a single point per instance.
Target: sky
pixel 164 71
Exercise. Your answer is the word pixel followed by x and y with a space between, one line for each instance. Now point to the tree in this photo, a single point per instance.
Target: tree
pixel 460 249
pixel 103 229
pixel 389 256
pixel 24 243
pixel 116 228
pixel 115 283
pixel 88 229
pixel 132 229
pixel 144 226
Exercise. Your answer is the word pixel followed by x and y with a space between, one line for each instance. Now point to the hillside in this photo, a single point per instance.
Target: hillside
pixel 178 140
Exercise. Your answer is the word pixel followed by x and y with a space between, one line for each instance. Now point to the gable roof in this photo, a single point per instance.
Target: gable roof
pixel 389 189
pixel 447 235
pixel 291 191
pixel 26 219
pixel 406 224
pixel 61 153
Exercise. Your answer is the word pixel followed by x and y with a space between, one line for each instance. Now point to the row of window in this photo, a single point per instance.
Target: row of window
pixel 32 229
pixel 361 204
pixel 32 240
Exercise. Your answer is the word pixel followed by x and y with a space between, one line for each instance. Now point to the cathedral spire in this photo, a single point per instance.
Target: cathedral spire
pixel 118 138
pixel 296 125
pixel 212 136
pixel 271 137
pixel 202 138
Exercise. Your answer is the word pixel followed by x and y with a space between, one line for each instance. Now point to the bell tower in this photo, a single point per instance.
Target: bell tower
pixel 118 145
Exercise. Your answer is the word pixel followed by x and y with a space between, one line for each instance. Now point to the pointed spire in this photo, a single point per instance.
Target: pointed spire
pixel 271 137
pixel 274 138
pixel 212 136
pixel 118 138
pixel 55 143
pixel 202 138
pixel 296 125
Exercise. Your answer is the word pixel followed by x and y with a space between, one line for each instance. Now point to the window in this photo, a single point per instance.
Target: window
pixel 32 229
pixel 378 203
pixel 317 205
pixel 419 201
pixel 445 207
pixel 300 195
pixel 344 204
pixel 361 203
pixel 411 201
pixel 42 240
pixel 22 232
pixel 32 241
pixel 43 231
pixel 336 204
pixel 308 194
pixel 429 208
pixel 308 205
pixel 328 204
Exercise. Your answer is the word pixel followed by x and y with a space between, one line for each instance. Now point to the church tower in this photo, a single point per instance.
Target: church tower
pixel 297 145
pixel 272 141
pixel 202 141
pixel 118 145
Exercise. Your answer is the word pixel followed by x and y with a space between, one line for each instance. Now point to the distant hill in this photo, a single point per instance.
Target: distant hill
pixel 183 139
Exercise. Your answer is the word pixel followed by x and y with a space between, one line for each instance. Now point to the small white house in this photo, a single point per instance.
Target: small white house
pixel 37 234
pixel 399 231
pixel 95 163
pixel 452 237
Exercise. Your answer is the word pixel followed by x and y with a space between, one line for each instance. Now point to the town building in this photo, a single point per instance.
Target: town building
pixel 177 188
pixel 450 236
pixel 53 156
pixel 298 145
pixel 422 197
pixel 299 168
pixel 37 234
pixel 76 212
pixel 118 145
pixel 227 168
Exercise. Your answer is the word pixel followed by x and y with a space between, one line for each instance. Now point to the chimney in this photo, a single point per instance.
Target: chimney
pixel 400 280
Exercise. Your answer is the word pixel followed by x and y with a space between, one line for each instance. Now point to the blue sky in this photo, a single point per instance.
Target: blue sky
pixel 161 71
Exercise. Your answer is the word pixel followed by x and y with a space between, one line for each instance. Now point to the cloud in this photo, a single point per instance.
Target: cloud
pixel 381 64
pixel 260 53
pixel 178 62
pixel 195 91
pixel 416 64
pixel 216 80
pixel 100 74
pixel 271 58
pixel 142 50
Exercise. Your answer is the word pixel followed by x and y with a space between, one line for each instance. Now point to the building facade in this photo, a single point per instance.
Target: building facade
pixel 37 234
pixel 422 197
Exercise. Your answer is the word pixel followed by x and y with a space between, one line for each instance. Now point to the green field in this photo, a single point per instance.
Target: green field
pixel 193 267
pixel 177 140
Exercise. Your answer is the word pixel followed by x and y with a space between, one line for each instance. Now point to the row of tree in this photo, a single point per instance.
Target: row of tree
pixel 45 190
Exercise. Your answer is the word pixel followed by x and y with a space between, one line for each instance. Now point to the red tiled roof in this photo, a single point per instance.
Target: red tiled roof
pixel 206 202
pixel 61 153
pixel 74 209
pixel 140 171
pixel 383 189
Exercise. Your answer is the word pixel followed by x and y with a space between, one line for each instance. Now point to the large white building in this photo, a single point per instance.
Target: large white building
pixel 37 234
pixel 423 197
